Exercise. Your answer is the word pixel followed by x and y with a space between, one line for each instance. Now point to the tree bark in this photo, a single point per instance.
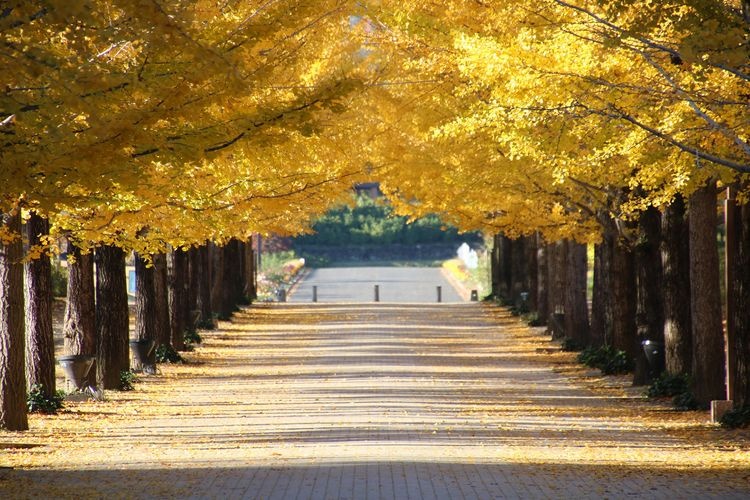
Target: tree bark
pixel 506 265
pixel 675 254
pixel 145 307
pixel 79 329
pixel 705 299
pixel 557 260
pixel 217 280
pixel 112 316
pixel 542 281
pixel 601 300
pixel 739 296
pixel 650 309
pixel 518 269
pixel 203 279
pixel 624 299
pixel 177 261
pixel 532 272
pixel 495 267
pixel 40 342
pixel 250 291
pixel 576 306
pixel 192 274
pixel 163 333
pixel 13 413
pixel 228 284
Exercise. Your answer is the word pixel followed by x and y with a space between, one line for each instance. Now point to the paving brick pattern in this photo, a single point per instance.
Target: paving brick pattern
pixel 369 401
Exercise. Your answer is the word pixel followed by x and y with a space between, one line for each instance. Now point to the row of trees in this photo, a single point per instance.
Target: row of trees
pixel 176 292
pixel 662 284
pixel 155 125
pixel 559 124
pixel 160 128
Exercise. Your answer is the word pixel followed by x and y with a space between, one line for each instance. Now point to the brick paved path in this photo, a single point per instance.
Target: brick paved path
pixel 371 401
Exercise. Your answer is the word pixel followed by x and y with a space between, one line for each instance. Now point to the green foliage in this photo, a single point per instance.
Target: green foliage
pixel 166 354
pixel 675 386
pixel 192 337
pixel 685 401
pixel 127 379
pixel 59 279
pixel 205 324
pixel 608 359
pixel 668 385
pixel 736 418
pixel 38 402
pixel 571 345
pixel 533 319
pixel 372 222
pixel 276 260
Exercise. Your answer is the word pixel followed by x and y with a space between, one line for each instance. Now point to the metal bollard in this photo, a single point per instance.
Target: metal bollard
pixel 439 293
pixel 377 293
pixel 315 293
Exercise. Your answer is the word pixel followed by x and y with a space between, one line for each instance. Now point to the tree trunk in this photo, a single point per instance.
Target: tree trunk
pixel 13 413
pixel 112 316
pixel 705 299
pixel 675 254
pixel 542 281
pixel 192 275
pixel 624 299
pixel 576 306
pixel 532 272
pixel 79 329
pixel 739 296
pixel 217 280
pixel 650 309
pixel 237 275
pixel 177 261
pixel 495 267
pixel 518 269
pixel 203 279
pixel 250 291
pixel 163 333
pixel 227 284
pixel 145 307
pixel 557 260
pixel 601 300
pixel 40 342
pixel 506 265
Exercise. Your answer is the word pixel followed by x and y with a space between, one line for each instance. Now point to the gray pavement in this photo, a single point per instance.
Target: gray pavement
pixel 372 401
pixel 357 284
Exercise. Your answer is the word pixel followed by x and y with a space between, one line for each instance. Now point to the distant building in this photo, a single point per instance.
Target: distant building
pixel 371 189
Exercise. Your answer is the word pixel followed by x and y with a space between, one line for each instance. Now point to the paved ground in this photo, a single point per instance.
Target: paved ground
pixel 357 284
pixel 369 401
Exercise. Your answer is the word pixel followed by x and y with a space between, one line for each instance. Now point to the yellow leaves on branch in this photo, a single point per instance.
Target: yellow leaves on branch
pixel 203 120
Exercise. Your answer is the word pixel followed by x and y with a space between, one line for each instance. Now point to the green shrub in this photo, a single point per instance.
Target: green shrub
pixel 668 386
pixel 37 402
pixel 675 386
pixel 205 324
pixel 608 359
pixel 372 222
pixel 166 354
pixel 59 279
pixel 192 337
pixel 127 379
pixel 571 345
pixel 533 319
pixel 736 418
pixel 685 401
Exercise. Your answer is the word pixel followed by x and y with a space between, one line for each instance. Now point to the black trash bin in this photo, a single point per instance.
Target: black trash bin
pixel 655 356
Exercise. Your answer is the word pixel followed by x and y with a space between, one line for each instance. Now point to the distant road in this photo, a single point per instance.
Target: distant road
pixel 356 284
